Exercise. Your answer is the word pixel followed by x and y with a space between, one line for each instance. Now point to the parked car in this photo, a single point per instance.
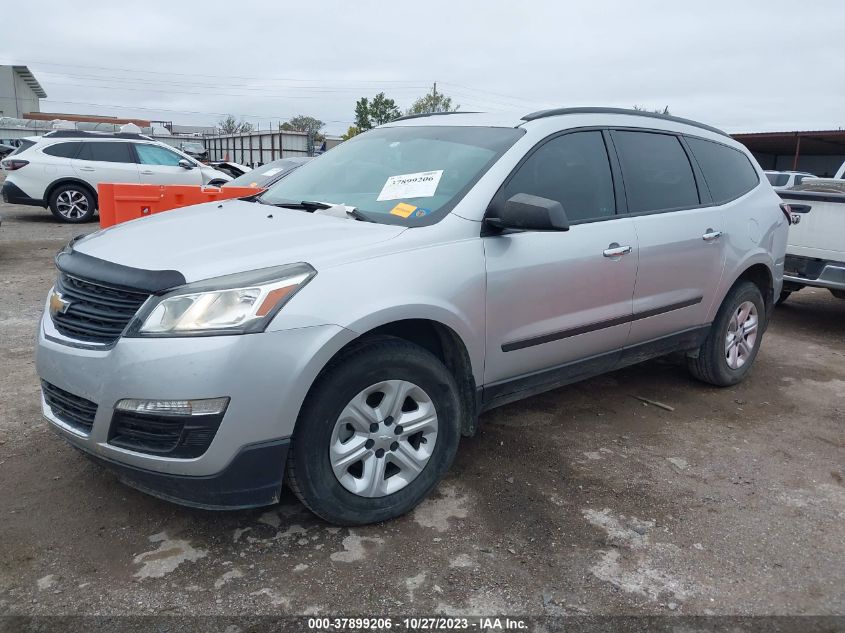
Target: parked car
pixel 782 180
pixel 815 252
pixel 229 167
pixel 270 173
pixel 61 170
pixel 826 185
pixel 343 329
pixel 195 150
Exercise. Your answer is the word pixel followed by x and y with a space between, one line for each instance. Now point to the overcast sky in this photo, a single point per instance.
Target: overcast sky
pixel 742 65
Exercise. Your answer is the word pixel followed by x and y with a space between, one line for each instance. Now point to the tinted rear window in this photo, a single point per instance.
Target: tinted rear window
pixel 24 145
pixel 63 150
pixel 656 172
pixel 106 152
pixel 728 172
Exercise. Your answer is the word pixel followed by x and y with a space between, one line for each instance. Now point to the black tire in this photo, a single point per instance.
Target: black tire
pixel 309 471
pixel 711 365
pixel 784 295
pixel 839 294
pixel 80 192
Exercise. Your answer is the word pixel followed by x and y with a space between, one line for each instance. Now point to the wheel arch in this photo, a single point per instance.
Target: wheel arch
pixel 69 180
pixel 436 337
pixel 759 272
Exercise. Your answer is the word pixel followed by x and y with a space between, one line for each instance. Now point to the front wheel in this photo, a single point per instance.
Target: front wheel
pixel 734 339
pixel 376 434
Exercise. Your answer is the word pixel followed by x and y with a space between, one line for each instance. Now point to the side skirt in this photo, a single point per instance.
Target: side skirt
pixel 513 389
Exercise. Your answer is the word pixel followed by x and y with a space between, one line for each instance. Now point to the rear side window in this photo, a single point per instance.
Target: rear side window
pixel 63 150
pixel 728 172
pixel 656 171
pixel 155 155
pixel 23 145
pixel 106 152
pixel 777 180
pixel 572 169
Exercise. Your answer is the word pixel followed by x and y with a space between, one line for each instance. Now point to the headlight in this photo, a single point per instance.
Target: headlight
pixel 234 304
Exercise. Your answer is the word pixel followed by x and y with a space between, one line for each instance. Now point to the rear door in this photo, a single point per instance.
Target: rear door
pixel 557 298
pixel 105 161
pixel 160 166
pixel 682 251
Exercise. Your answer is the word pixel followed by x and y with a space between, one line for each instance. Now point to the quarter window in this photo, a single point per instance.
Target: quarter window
pixel 106 152
pixel 728 172
pixel 657 173
pixel 572 169
pixel 62 150
pixel 155 155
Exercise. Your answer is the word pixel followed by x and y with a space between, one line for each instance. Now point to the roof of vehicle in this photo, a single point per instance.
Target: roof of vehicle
pixel 82 134
pixel 510 119
pixel 797 173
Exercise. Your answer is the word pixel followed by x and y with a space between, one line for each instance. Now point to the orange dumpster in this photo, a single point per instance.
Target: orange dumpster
pixel 123 202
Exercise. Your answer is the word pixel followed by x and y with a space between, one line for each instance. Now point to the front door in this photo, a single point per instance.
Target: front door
pixel 555 299
pixel 160 166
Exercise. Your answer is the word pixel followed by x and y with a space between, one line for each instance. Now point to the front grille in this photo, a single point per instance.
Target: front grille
pixel 96 314
pixel 70 409
pixel 171 435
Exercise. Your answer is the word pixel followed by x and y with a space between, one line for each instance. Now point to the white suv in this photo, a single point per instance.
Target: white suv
pixel 63 168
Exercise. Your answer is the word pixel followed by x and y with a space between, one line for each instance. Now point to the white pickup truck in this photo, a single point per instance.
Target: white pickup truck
pixel 815 252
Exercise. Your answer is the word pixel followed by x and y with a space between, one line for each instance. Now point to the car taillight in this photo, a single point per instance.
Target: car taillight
pixel 784 207
pixel 11 164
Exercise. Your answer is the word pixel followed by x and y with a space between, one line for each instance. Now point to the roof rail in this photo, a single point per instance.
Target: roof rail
pixel 424 114
pixel 87 134
pixel 541 114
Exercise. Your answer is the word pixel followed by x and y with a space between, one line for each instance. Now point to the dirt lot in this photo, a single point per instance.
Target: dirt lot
pixel 583 500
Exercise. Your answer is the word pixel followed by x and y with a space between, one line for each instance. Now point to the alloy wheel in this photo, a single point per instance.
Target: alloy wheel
pixel 72 204
pixel 742 335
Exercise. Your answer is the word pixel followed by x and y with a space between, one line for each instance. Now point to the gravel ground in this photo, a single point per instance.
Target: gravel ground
pixel 579 501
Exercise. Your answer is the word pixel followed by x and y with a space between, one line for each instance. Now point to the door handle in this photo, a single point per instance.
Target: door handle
pixel 711 235
pixel 147 173
pixel 86 169
pixel 615 250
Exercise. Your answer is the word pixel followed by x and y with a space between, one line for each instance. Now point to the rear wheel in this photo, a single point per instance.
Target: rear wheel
pixel 72 203
pixel 734 338
pixel 376 434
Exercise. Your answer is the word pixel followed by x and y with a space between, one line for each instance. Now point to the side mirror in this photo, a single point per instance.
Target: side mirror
pixel 529 213
pixel 185 164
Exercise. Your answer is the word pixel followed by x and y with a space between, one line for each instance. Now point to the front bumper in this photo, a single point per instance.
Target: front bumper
pixel 13 194
pixel 266 376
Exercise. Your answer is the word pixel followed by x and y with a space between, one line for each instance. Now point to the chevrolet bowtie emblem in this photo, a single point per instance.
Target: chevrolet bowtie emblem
pixel 58 304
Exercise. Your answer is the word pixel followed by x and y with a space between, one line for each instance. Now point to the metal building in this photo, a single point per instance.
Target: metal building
pixel 818 152
pixel 19 91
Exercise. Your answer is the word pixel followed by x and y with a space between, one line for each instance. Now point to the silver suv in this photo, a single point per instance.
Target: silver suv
pixel 345 328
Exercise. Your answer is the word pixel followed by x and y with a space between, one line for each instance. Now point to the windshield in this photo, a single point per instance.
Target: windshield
pixel 398 175
pixel 264 175
pixel 193 147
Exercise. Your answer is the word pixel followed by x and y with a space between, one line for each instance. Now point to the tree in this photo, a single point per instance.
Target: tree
pixel 432 102
pixel 352 131
pixel 230 125
pixel 303 123
pixel 665 110
pixel 369 114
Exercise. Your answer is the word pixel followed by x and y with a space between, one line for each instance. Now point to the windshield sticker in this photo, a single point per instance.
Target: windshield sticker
pixel 403 210
pixel 422 184
pixel 271 172
pixel 421 212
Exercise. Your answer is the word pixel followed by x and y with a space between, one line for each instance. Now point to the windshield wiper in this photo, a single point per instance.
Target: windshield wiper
pixel 314 205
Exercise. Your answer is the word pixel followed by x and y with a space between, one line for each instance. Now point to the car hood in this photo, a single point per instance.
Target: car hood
pixel 220 238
